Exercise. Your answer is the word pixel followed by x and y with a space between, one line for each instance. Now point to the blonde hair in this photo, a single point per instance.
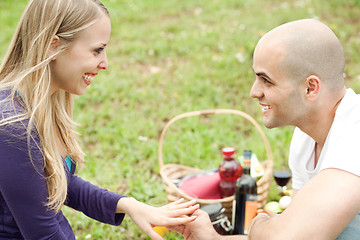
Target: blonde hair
pixel 26 66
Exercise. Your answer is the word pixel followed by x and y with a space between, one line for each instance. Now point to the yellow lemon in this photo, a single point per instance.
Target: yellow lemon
pixel 161 230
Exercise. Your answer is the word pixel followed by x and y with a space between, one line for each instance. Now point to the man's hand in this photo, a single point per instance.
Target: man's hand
pixel 202 229
pixel 199 229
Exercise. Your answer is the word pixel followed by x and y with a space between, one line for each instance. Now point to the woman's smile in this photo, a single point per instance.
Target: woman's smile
pixel 88 78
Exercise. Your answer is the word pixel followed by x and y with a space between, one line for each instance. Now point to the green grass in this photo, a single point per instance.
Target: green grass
pixel 170 57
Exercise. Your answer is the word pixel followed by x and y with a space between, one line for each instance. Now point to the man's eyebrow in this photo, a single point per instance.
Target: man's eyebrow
pixel 262 74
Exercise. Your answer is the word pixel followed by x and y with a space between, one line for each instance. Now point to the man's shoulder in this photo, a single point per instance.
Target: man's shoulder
pixel 301 142
pixel 299 135
pixel 348 113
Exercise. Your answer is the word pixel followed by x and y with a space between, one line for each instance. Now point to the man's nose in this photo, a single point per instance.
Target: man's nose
pixel 256 90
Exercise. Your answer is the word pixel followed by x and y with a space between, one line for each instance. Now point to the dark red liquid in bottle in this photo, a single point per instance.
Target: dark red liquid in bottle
pixel 229 170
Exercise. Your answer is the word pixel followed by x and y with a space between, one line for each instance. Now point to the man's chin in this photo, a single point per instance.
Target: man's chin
pixel 272 124
pixel 269 124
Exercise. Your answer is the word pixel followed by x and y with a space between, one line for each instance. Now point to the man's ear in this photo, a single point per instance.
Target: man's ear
pixel 312 87
pixel 55 43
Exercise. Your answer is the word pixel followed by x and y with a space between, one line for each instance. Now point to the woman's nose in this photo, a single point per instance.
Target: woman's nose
pixel 104 63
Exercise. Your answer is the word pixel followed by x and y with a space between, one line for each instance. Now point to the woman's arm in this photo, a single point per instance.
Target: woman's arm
pixel 24 192
pixel 109 207
pixel 97 203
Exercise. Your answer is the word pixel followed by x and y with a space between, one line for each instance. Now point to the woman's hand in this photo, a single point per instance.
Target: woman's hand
pixel 146 217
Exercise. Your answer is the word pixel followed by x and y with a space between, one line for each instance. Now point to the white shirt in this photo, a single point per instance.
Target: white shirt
pixel 341 149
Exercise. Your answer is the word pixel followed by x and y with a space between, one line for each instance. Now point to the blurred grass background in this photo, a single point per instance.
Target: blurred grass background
pixel 170 57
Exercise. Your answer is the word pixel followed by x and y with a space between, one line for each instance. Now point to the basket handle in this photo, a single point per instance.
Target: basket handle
pixel 209 112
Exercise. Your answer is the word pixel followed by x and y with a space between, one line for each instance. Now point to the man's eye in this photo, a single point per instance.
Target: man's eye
pixel 99 50
pixel 266 81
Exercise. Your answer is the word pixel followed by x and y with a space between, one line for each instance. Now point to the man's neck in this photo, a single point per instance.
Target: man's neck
pixel 321 121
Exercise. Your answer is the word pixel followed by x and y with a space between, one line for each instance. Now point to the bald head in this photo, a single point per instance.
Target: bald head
pixel 307 47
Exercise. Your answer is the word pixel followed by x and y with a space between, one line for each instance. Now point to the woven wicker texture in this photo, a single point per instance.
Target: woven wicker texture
pixel 169 172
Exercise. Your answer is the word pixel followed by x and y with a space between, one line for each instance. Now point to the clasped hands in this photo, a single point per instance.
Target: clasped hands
pixel 146 217
pixel 201 228
pixel 182 217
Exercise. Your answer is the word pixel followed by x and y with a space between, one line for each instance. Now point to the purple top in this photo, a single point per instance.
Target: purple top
pixel 23 189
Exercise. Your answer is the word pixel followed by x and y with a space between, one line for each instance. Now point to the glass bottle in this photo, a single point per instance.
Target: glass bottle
pixel 245 202
pixel 229 170
pixel 218 219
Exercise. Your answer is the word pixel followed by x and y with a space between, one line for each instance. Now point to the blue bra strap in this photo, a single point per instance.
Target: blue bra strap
pixel 68 162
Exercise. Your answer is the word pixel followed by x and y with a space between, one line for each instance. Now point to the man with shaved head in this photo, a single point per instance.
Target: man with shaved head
pixel 299 68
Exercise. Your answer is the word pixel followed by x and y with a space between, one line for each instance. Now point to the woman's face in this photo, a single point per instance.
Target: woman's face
pixel 75 68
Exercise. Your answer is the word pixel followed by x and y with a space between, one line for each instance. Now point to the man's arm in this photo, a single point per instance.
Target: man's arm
pixel 322 209
pixel 294 192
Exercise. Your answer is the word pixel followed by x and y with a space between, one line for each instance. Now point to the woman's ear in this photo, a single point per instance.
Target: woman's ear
pixel 55 43
pixel 312 87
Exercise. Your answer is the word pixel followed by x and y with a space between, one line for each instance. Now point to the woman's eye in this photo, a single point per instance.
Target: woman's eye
pixel 99 50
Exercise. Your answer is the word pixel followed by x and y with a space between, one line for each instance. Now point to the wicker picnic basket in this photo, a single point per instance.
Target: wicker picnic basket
pixel 170 172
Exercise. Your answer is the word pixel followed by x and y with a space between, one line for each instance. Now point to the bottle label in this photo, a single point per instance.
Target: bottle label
pixel 247 162
pixel 250 210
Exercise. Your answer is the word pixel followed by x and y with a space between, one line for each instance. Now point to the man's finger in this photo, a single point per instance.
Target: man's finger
pixel 177 228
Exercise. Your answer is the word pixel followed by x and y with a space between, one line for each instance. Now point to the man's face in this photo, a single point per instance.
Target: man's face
pixel 279 95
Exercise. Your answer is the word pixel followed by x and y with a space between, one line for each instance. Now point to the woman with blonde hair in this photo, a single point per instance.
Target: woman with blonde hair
pixel 57 50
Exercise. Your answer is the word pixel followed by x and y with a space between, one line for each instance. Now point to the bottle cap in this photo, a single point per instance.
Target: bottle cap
pixel 228 151
pixel 247 154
